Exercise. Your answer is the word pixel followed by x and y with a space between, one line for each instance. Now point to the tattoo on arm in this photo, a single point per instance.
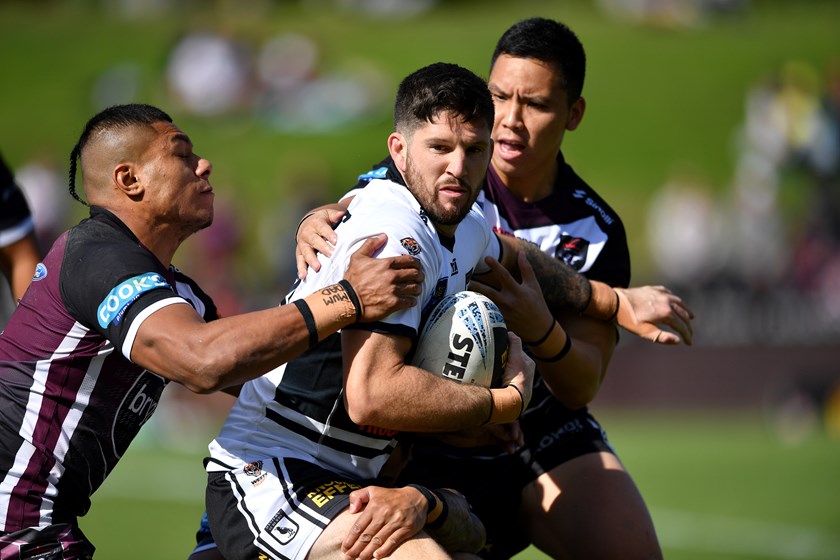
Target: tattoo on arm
pixel 563 287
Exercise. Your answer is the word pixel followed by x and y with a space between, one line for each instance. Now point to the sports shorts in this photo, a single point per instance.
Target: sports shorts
pixel 278 507
pixel 493 482
pixel 62 541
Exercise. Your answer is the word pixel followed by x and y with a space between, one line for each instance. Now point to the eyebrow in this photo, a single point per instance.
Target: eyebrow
pixel 541 99
pixel 181 137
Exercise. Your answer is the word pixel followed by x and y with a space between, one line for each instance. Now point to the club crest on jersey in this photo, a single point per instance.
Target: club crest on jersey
pixel 282 528
pixel 410 245
pixel 572 251
pixel 253 469
pixel 115 303
pixel 40 272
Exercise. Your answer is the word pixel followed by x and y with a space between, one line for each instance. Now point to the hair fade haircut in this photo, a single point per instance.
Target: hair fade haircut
pixel 550 42
pixel 116 117
pixel 441 88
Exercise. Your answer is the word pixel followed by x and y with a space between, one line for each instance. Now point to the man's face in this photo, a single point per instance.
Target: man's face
pixel 177 180
pixel 444 163
pixel 532 115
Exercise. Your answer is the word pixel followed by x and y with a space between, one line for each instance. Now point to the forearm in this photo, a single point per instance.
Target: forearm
pixel 414 400
pixel 382 390
pixel 563 287
pixel 575 376
pixel 206 357
pixel 18 262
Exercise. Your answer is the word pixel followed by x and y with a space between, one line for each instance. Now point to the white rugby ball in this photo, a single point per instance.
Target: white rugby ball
pixel 464 338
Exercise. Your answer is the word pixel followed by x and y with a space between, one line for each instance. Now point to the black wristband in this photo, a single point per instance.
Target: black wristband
pixel 617 305
pixel 351 293
pixel 309 319
pixel 521 400
pixel 559 355
pixel 430 497
pixel 444 512
pixel 490 415
pixel 544 337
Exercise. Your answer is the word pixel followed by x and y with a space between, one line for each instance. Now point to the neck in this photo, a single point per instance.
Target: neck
pixel 157 238
pixel 530 187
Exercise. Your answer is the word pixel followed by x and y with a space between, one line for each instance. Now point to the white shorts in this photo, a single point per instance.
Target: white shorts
pixel 275 506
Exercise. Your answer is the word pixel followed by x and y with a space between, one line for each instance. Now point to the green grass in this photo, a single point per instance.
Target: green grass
pixel 719 486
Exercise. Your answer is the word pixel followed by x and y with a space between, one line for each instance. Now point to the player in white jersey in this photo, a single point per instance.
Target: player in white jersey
pixel 302 437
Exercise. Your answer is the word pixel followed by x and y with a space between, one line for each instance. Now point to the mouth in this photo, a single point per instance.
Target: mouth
pixel 509 148
pixel 453 190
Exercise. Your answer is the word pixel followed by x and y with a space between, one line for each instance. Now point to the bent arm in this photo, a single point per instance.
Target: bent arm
pixel 574 373
pixel 18 261
pixel 382 390
pixel 177 343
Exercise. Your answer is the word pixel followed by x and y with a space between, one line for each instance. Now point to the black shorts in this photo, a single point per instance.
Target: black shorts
pixel 62 541
pixel 493 482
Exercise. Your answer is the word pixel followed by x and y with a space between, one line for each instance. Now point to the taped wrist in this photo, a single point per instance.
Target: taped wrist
pixel 457 529
pixel 507 405
pixel 328 310
pixel 604 302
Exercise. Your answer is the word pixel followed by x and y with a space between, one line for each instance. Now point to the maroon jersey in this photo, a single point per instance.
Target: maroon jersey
pixel 71 399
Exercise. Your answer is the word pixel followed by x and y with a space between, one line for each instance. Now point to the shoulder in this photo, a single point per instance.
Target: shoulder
pixel 584 196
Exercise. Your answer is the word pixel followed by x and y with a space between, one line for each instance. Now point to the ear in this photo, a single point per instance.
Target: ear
pixel 125 179
pixel 576 113
pixel 398 148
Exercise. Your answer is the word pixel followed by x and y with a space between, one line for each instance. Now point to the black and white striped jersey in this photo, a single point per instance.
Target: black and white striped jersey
pixel 298 409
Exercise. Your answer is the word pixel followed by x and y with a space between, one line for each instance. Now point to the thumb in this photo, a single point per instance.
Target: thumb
pixel 373 244
pixel 334 216
pixel 358 499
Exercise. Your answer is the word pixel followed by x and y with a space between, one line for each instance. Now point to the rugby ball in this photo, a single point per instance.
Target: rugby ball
pixel 464 338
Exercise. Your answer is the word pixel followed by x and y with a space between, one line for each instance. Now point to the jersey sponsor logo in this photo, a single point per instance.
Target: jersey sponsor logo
pixel 571 427
pixel 282 528
pixel 380 173
pixel 373 430
pixel 113 306
pixel 410 245
pixel 40 272
pixel 138 405
pixel 453 267
pixel 322 495
pixel 572 251
pixel 580 193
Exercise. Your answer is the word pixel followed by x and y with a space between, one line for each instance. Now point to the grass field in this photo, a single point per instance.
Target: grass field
pixel 720 486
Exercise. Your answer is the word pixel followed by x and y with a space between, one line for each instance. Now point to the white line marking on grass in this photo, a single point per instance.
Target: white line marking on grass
pixel 694 531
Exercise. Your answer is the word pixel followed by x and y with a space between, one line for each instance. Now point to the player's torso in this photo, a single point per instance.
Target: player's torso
pixel 72 402
pixel 300 405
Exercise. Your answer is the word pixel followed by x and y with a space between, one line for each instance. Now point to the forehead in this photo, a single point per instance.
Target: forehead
pixel 528 75
pixel 449 126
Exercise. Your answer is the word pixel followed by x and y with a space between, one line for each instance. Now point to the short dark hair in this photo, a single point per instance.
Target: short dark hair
pixel 550 42
pixel 441 88
pixel 115 117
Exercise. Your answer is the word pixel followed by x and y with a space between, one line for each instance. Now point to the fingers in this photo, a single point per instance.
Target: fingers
pixel 372 244
pixel 358 499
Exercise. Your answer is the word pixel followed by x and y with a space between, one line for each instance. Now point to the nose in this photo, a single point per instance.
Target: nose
pixel 204 168
pixel 511 113
pixel 457 164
